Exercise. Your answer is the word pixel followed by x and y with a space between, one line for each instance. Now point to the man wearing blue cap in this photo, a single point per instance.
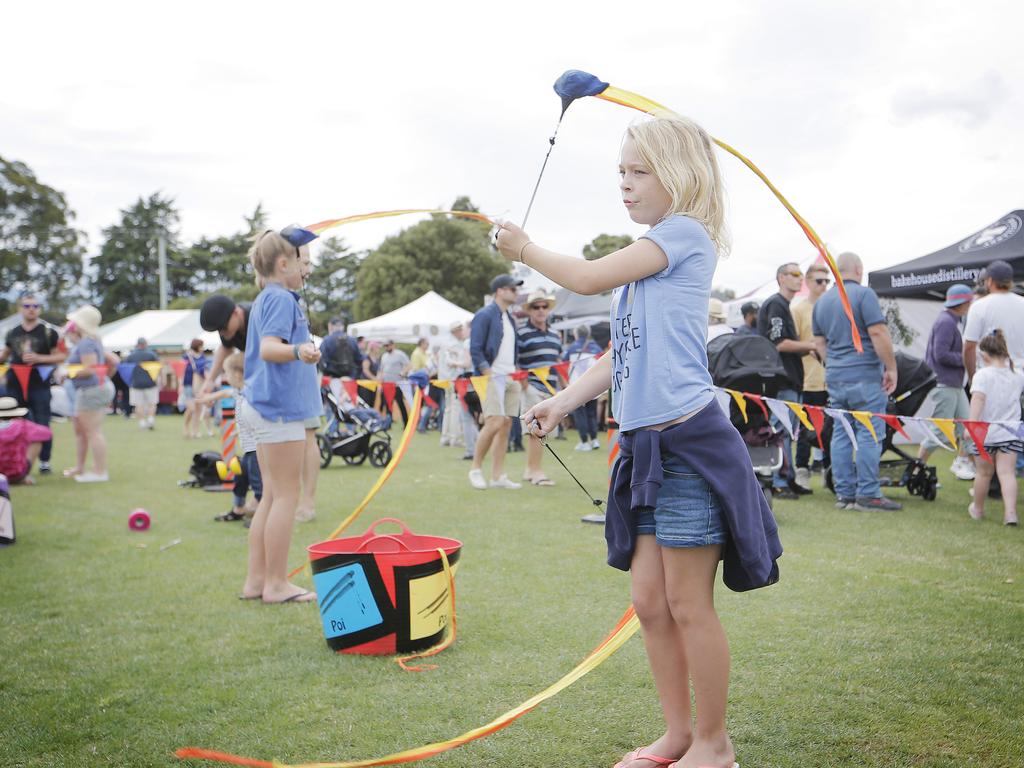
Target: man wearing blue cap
pixel 944 356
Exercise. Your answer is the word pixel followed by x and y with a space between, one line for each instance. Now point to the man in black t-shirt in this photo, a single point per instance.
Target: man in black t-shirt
pixel 32 342
pixel 775 323
pixel 231 321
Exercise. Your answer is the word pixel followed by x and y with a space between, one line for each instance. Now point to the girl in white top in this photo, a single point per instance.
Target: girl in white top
pixel 995 397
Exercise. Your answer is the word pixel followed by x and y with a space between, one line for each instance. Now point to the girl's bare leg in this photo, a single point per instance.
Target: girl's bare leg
pixel 689 589
pixel 1006 468
pixel 286 460
pixel 665 652
pixel 255 576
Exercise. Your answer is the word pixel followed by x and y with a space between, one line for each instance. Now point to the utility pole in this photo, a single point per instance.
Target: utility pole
pixel 161 258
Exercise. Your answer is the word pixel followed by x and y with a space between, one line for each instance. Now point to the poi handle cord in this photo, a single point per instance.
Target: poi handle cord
pixel 540 176
pixel 595 502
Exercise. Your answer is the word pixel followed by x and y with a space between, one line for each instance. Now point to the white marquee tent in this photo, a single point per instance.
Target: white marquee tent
pixel 428 316
pixel 168 330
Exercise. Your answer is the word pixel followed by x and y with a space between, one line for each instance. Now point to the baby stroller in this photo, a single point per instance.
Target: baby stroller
pixel 355 434
pixel 749 363
pixel 914 380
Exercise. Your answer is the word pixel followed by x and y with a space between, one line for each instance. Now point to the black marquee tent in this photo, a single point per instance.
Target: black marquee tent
pixel 929 276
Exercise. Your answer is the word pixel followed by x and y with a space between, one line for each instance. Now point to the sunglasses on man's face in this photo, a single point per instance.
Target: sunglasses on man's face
pixel 30 306
pixel 540 306
pixel 822 280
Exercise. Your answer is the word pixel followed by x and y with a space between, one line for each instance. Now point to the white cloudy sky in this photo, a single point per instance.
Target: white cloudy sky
pixel 893 127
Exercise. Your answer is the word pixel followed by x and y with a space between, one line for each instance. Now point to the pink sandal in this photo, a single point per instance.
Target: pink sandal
pixel 635 755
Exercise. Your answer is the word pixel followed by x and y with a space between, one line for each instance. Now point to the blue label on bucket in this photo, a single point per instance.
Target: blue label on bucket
pixel 346 602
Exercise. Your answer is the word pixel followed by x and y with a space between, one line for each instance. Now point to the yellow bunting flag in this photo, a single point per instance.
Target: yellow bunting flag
pixel 542 374
pixel 864 417
pixel 801 414
pixel 369 384
pixel 4 369
pixel 153 368
pixel 948 427
pixel 741 402
pixel 480 387
pixel 441 383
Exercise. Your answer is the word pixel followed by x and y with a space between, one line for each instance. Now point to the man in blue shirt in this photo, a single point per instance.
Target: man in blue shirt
pixel 492 345
pixel 856 381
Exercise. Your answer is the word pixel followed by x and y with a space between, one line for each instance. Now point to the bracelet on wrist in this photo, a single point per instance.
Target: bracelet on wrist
pixel 523 250
pixel 295 351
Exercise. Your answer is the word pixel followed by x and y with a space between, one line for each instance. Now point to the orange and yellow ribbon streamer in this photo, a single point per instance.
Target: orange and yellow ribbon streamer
pixel 322 226
pixel 403 446
pixel 624 629
pixel 651 107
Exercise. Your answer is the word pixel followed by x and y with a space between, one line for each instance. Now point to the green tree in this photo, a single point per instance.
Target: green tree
pixel 39 249
pixel 331 288
pixel 602 245
pixel 451 256
pixel 221 264
pixel 723 294
pixel 126 267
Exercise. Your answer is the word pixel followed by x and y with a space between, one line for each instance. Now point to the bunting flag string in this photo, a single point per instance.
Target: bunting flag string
pixel 626 627
pixel 913 428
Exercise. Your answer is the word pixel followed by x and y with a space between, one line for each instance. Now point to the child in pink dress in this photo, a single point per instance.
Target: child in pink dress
pixel 21 441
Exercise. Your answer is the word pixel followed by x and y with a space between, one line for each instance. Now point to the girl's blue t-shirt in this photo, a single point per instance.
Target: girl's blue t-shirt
pixel 659 330
pixel 279 391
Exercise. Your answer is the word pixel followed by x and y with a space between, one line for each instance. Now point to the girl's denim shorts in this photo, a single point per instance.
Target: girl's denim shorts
pixel 688 512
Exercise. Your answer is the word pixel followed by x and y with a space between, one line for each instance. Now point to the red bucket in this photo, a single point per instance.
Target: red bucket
pixel 384 593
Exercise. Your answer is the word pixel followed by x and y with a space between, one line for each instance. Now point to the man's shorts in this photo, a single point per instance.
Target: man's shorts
pixel 502 397
pixel 272 431
pixel 141 397
pixel 532 396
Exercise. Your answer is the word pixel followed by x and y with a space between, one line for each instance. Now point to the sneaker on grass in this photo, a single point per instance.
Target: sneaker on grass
pixel 476 479
pixel 842 503
pixel 45 468
pixel 595 444
pixel 583 447
pixel 880 504
pixel 504 482
pixel 92 477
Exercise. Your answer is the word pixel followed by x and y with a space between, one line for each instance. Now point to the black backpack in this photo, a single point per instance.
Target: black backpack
pixel 204 469
pixel 342 361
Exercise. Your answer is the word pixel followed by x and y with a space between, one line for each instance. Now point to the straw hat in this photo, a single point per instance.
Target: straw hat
pixel 86 319
pixel 716 310
pixel 9 408
pixel 537 296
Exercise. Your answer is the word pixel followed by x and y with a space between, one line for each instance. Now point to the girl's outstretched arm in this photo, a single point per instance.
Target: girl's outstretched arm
pixel 634 262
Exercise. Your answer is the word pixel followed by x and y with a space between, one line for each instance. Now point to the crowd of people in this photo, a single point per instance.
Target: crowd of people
pixel 975 349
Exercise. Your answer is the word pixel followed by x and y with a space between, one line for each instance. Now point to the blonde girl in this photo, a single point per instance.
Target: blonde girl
pixel 683 489
pixel 94 392
pixel 995 397
pixel 280 393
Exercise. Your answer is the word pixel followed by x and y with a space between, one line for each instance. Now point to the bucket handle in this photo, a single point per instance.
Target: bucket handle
pixel 372 535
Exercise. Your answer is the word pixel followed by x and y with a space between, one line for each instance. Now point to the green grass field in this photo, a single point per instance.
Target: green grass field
pixel 891 639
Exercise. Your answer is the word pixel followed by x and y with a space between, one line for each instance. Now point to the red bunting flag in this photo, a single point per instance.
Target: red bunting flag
pixel 389 393
pixel 461 387
pixel 757 399
pixel 352 389
pixel 817 417
pixel 978 431
pixel 894 422
pixel 23 372
pixel 563 369
pixel 519 375
pixel 428 399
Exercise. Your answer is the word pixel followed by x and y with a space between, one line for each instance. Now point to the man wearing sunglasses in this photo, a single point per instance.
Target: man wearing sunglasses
pixel 775 323
pixel 32 342
pixel 818 280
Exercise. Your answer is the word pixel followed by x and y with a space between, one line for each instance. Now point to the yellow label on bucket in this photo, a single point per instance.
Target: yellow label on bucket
pixel 430 605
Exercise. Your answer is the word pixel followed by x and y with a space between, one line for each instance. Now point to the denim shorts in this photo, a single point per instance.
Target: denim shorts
pixel 688 512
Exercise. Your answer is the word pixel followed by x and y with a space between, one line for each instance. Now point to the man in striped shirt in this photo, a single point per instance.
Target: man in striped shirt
pixel 537 347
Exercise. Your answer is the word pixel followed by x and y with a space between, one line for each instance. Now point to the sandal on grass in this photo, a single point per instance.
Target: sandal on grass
pixel 636 755
pixel 542 480
pixel 229 517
